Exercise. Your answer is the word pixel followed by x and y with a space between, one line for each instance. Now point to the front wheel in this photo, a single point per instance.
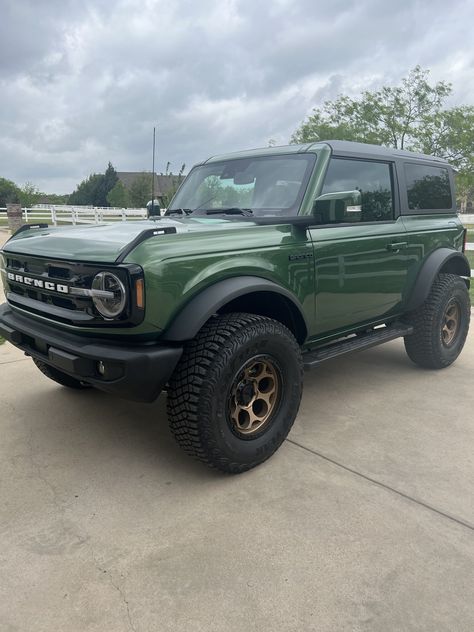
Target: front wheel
pixel 440 325
pixel 235 393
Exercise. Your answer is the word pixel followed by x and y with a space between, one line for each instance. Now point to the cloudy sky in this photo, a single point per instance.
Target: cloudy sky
pixel 83 82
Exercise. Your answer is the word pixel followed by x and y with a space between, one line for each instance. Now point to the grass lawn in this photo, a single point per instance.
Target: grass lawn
pixel 2 340
pixel 470 232
pixel 470 255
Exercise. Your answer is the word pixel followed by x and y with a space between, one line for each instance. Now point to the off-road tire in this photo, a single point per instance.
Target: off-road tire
pixel 425 346
pixel 59 376
pixel 200 388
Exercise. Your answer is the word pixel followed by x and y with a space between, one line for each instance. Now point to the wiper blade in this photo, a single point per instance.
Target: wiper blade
pixel 232 210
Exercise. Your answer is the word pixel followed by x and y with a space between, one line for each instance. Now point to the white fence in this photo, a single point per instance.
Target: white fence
pixel 63 214
pixel 78 214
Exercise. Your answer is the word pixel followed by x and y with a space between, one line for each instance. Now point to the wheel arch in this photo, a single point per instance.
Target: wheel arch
pixel 442 260
pixel 254 295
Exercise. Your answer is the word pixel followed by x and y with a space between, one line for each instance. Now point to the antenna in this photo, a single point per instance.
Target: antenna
pixel 153 177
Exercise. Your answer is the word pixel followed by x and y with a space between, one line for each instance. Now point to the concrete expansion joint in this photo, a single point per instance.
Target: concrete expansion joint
pixel 117 588
pixel 12 361
pixel 39 473
pixel 417 501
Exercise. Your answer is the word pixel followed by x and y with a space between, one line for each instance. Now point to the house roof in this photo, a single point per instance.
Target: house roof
pixel 163 184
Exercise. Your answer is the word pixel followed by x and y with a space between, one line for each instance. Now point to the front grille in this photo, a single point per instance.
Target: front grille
pixel 56 272
pixel 40 300
pixel 48 282
pixel 50 298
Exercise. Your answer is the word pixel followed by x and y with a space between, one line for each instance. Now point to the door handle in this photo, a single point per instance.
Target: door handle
pixel 395 247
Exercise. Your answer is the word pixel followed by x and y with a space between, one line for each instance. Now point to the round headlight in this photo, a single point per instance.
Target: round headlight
pixel 111 305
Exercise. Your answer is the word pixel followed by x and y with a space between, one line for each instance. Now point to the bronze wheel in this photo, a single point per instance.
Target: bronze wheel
pixel 450 323
pixel 440 324
pixel 254 395
pixel 235 393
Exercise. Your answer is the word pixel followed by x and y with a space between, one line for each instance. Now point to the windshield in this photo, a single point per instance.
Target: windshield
pixel 267 185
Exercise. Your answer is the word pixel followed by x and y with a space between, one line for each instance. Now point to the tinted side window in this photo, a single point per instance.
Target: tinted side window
pixel 427 187
pixel 372 179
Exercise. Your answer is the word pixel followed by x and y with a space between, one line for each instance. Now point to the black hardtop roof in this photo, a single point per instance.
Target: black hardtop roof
pixel 365 149
pixel 339 147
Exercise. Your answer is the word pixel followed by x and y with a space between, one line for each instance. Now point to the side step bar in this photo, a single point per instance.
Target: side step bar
pixel 359 342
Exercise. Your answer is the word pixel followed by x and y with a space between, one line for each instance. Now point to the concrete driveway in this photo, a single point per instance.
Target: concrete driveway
pixel 362 521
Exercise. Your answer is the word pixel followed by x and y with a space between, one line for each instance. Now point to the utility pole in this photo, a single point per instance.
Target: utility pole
pixel 153 177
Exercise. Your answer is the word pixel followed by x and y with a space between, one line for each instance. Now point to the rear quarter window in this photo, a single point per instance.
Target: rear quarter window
pixel 428 188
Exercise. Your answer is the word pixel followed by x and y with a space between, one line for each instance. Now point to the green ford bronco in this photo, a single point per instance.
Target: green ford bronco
pixel 267 262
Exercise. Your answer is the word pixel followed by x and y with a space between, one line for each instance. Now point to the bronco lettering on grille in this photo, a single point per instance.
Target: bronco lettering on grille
pixel 38 283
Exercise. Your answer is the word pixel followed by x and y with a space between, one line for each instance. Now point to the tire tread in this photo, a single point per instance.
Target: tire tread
pixel 421 346
pixel 185 393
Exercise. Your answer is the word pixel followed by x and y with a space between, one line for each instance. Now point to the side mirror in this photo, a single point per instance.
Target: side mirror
pixel 337 207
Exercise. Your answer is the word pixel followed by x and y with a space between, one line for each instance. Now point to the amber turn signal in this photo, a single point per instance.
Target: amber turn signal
pixel 140 293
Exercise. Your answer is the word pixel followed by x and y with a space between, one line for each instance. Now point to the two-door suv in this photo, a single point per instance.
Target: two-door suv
pixel 266 262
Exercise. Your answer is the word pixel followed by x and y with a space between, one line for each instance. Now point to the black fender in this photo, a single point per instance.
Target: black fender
pixel 186 324
pixel 440 260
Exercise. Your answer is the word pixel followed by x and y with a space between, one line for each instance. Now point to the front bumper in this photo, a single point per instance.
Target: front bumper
pixel 133 371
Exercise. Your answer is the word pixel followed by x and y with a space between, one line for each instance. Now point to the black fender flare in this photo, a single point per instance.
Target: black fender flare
pixel 186 323
pixel 452 261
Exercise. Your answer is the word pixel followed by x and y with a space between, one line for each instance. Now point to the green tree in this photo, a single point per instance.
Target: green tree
pixel 209 190
pixel 118 196
pixel 29 194
pixel 408 116
pixel 9 192
pixel 54 198
pixel 88 192
pixel 93 190
pixel 393 115
pixel 450 134
pixel 175 184
pixel 140 190
pixel 465 191
pixel 108 183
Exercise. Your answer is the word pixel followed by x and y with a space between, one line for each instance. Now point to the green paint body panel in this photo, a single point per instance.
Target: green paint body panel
pixel 343 277
pixel 182 265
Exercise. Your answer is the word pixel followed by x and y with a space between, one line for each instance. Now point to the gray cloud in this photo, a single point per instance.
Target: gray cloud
pixel 84 82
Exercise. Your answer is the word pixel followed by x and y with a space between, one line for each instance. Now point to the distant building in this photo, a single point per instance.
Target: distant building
pixel 165 186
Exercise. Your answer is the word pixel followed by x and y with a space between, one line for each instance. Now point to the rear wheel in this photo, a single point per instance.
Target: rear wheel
pixel 235 393
pixel 60 377
pixel 440 325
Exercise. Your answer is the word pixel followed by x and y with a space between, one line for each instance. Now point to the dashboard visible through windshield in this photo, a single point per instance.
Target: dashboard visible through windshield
pixel 263 185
